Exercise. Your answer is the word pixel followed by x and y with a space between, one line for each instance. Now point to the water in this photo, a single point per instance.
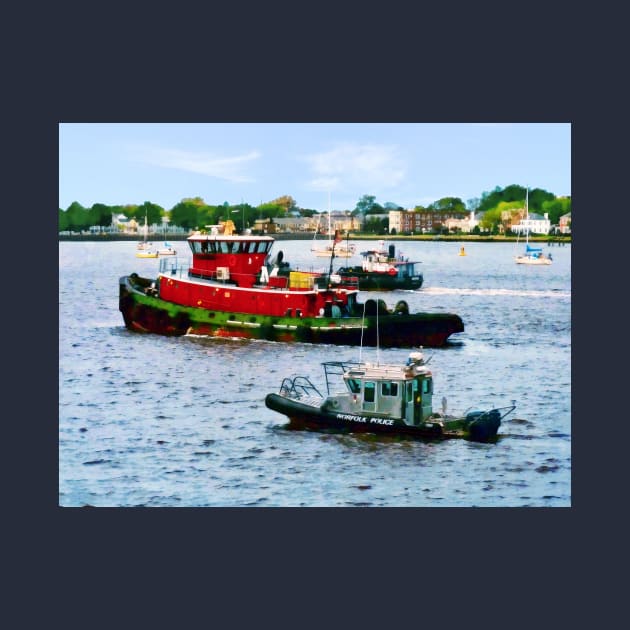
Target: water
pixel 146 420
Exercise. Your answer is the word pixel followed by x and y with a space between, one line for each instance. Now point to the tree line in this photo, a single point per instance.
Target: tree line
pixel 195 213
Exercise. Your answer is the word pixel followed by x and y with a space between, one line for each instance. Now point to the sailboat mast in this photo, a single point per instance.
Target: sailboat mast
pixel 329 227
pixel 527 215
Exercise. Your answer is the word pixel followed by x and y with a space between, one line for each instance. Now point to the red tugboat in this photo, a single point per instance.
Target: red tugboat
pixel 232 288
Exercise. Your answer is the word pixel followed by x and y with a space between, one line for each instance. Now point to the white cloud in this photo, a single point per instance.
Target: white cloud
pixel 357 166
pixel 221 167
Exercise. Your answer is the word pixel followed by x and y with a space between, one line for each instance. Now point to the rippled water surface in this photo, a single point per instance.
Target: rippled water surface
pixel 146 420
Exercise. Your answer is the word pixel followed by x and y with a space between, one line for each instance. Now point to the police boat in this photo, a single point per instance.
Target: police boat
pixel 375 398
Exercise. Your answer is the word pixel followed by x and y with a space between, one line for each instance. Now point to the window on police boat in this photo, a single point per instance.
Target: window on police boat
pixel 354 385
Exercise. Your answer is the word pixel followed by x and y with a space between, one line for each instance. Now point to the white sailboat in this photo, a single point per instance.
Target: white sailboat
pixel 337 247
pixel 532 255
pixel 144 249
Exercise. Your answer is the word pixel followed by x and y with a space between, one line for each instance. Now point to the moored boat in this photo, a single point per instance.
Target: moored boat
pixel 392 399
pixel 531 255
pixel 381 270
pixel 232 289
pixel 146 253
pixel 167 250
pixel 144 249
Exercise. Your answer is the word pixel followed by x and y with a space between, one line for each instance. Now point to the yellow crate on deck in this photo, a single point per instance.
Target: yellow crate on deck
pixel 300 280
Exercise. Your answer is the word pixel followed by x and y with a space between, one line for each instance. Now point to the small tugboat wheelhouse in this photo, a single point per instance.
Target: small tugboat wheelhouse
pixel 381 270
pixel 233 289
pixel 394 399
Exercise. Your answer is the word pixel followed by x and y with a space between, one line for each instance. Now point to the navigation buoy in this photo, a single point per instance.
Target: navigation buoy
pixel 462 252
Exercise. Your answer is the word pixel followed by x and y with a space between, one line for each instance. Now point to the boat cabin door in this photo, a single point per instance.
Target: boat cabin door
pixel 369 395
pixel 418 399
pixel 413 413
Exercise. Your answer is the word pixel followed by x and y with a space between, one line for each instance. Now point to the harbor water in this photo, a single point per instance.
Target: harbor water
pixel 146 420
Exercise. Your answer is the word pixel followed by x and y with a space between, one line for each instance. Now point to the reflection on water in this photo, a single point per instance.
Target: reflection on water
pixel 159 421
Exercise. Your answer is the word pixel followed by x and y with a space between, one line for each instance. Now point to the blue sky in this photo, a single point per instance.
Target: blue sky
pixel 404 163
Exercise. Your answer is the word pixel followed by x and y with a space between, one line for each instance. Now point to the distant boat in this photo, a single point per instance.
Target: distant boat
pixel 167 250
pixel 144 249
pixel 149 253
pixel 337 249
pixel 532 255
pixel 381 270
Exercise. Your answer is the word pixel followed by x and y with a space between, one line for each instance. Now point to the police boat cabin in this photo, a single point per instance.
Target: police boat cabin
pixel 387 393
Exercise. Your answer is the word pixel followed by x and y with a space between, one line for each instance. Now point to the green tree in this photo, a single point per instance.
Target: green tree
pixel 515 192
pixel 491 220
pixel 286 202
pixel 78 217
pixel 243 215
pixel 555 208
pixel 269 210
pixel 536 199
pixel 153 212
pixel 185 214
pixel 365 204
pixel 101 214
pixel 448 204
pixel 374 225
pixel 376 209
pixel 62 222
pixel 473 204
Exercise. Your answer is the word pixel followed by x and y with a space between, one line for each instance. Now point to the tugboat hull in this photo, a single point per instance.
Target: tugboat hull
pixel 143 311
pixel 380 281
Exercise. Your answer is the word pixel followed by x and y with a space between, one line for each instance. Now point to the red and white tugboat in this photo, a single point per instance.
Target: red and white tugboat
pixel 375 398
pixel 381 270
pixel 232 288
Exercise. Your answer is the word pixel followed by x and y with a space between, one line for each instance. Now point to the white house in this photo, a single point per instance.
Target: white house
pixel 465 225
pixel 534 224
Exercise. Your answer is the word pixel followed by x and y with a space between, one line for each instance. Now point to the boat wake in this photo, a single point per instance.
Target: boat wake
pixel 497 292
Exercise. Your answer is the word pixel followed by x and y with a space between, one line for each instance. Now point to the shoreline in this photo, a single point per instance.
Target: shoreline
pixel 559 239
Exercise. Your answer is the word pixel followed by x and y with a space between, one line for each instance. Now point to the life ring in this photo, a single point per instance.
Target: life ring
pixel 232 260
pixel 392 271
